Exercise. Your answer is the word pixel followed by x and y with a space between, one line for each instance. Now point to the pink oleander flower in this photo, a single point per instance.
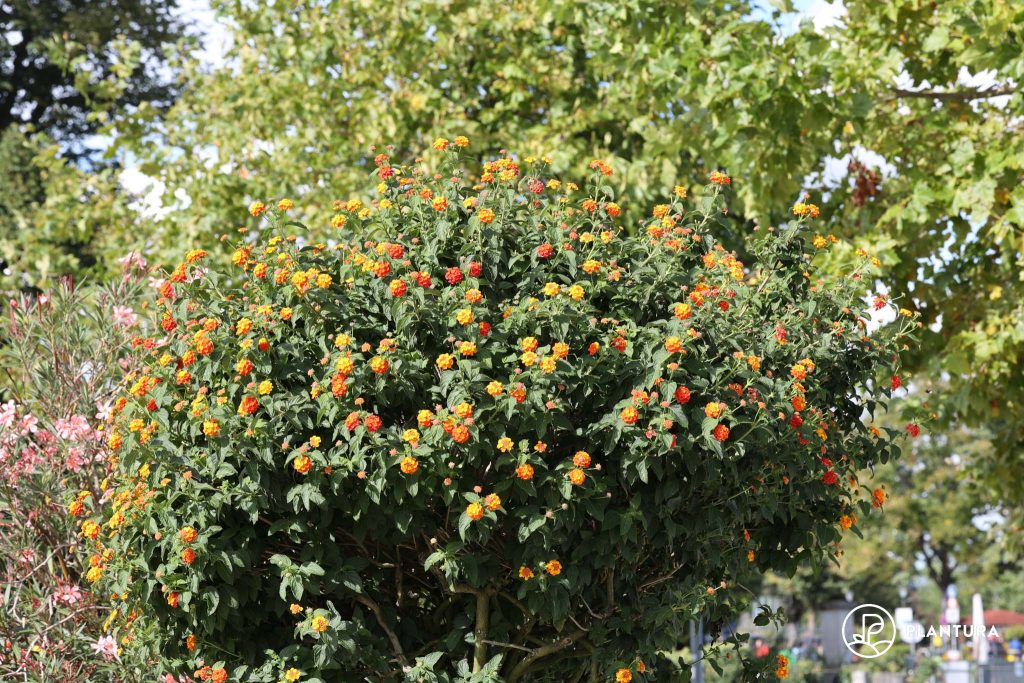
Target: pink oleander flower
pixel 74 428
pixel 27 557
pixel 107 647
pixel 28 460
pixel 8 411
pixel 103 411
pixel 133 259
pixel 75 459
pixel 28 424
pixel 67 594
pixel 124 316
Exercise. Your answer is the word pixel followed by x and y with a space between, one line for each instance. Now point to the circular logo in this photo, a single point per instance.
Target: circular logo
pixel 872 631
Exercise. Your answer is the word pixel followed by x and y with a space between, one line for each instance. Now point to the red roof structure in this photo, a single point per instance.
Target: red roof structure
pixel 999 617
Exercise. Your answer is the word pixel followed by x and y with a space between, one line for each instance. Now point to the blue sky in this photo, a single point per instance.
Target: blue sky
pixel 822 13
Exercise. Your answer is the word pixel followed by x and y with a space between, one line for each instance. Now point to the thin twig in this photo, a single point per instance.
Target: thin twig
pixel 511 645
pixel 396 645
pixel 955 96
pixel 543 651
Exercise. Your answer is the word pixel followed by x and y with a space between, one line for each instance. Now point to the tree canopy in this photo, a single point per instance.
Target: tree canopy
pixel 39 90
pixel 63 64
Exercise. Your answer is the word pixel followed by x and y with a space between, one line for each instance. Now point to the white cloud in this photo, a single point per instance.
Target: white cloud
pixel 822 13
pixel 836 167
pixel 214 34
pixel 147 191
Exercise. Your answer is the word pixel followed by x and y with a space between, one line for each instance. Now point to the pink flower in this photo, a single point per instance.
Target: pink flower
pixel 75 428
pixel 124 316
pixel 75 459
pixel 8 411
pixel 28 460
pixel 27 557
pixel 133 259
pixel 103 411
pixel 28 424
pixel 106 646
pixel 67 594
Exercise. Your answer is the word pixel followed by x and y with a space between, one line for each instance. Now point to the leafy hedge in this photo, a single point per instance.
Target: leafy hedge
pixel 501 440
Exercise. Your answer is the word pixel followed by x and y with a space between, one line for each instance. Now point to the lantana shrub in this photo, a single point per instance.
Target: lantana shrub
pixel 501 440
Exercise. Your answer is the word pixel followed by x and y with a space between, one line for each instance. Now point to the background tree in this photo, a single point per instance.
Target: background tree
pixel 666 91
pixel 57 217
pixel 64 64
pixel 942 525
pixel 947 209
pixel 37 90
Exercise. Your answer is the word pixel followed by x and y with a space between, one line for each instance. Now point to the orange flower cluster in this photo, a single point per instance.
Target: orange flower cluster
pixel 781 667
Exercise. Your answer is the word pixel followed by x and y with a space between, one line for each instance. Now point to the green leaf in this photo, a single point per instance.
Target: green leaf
pixel 937 40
